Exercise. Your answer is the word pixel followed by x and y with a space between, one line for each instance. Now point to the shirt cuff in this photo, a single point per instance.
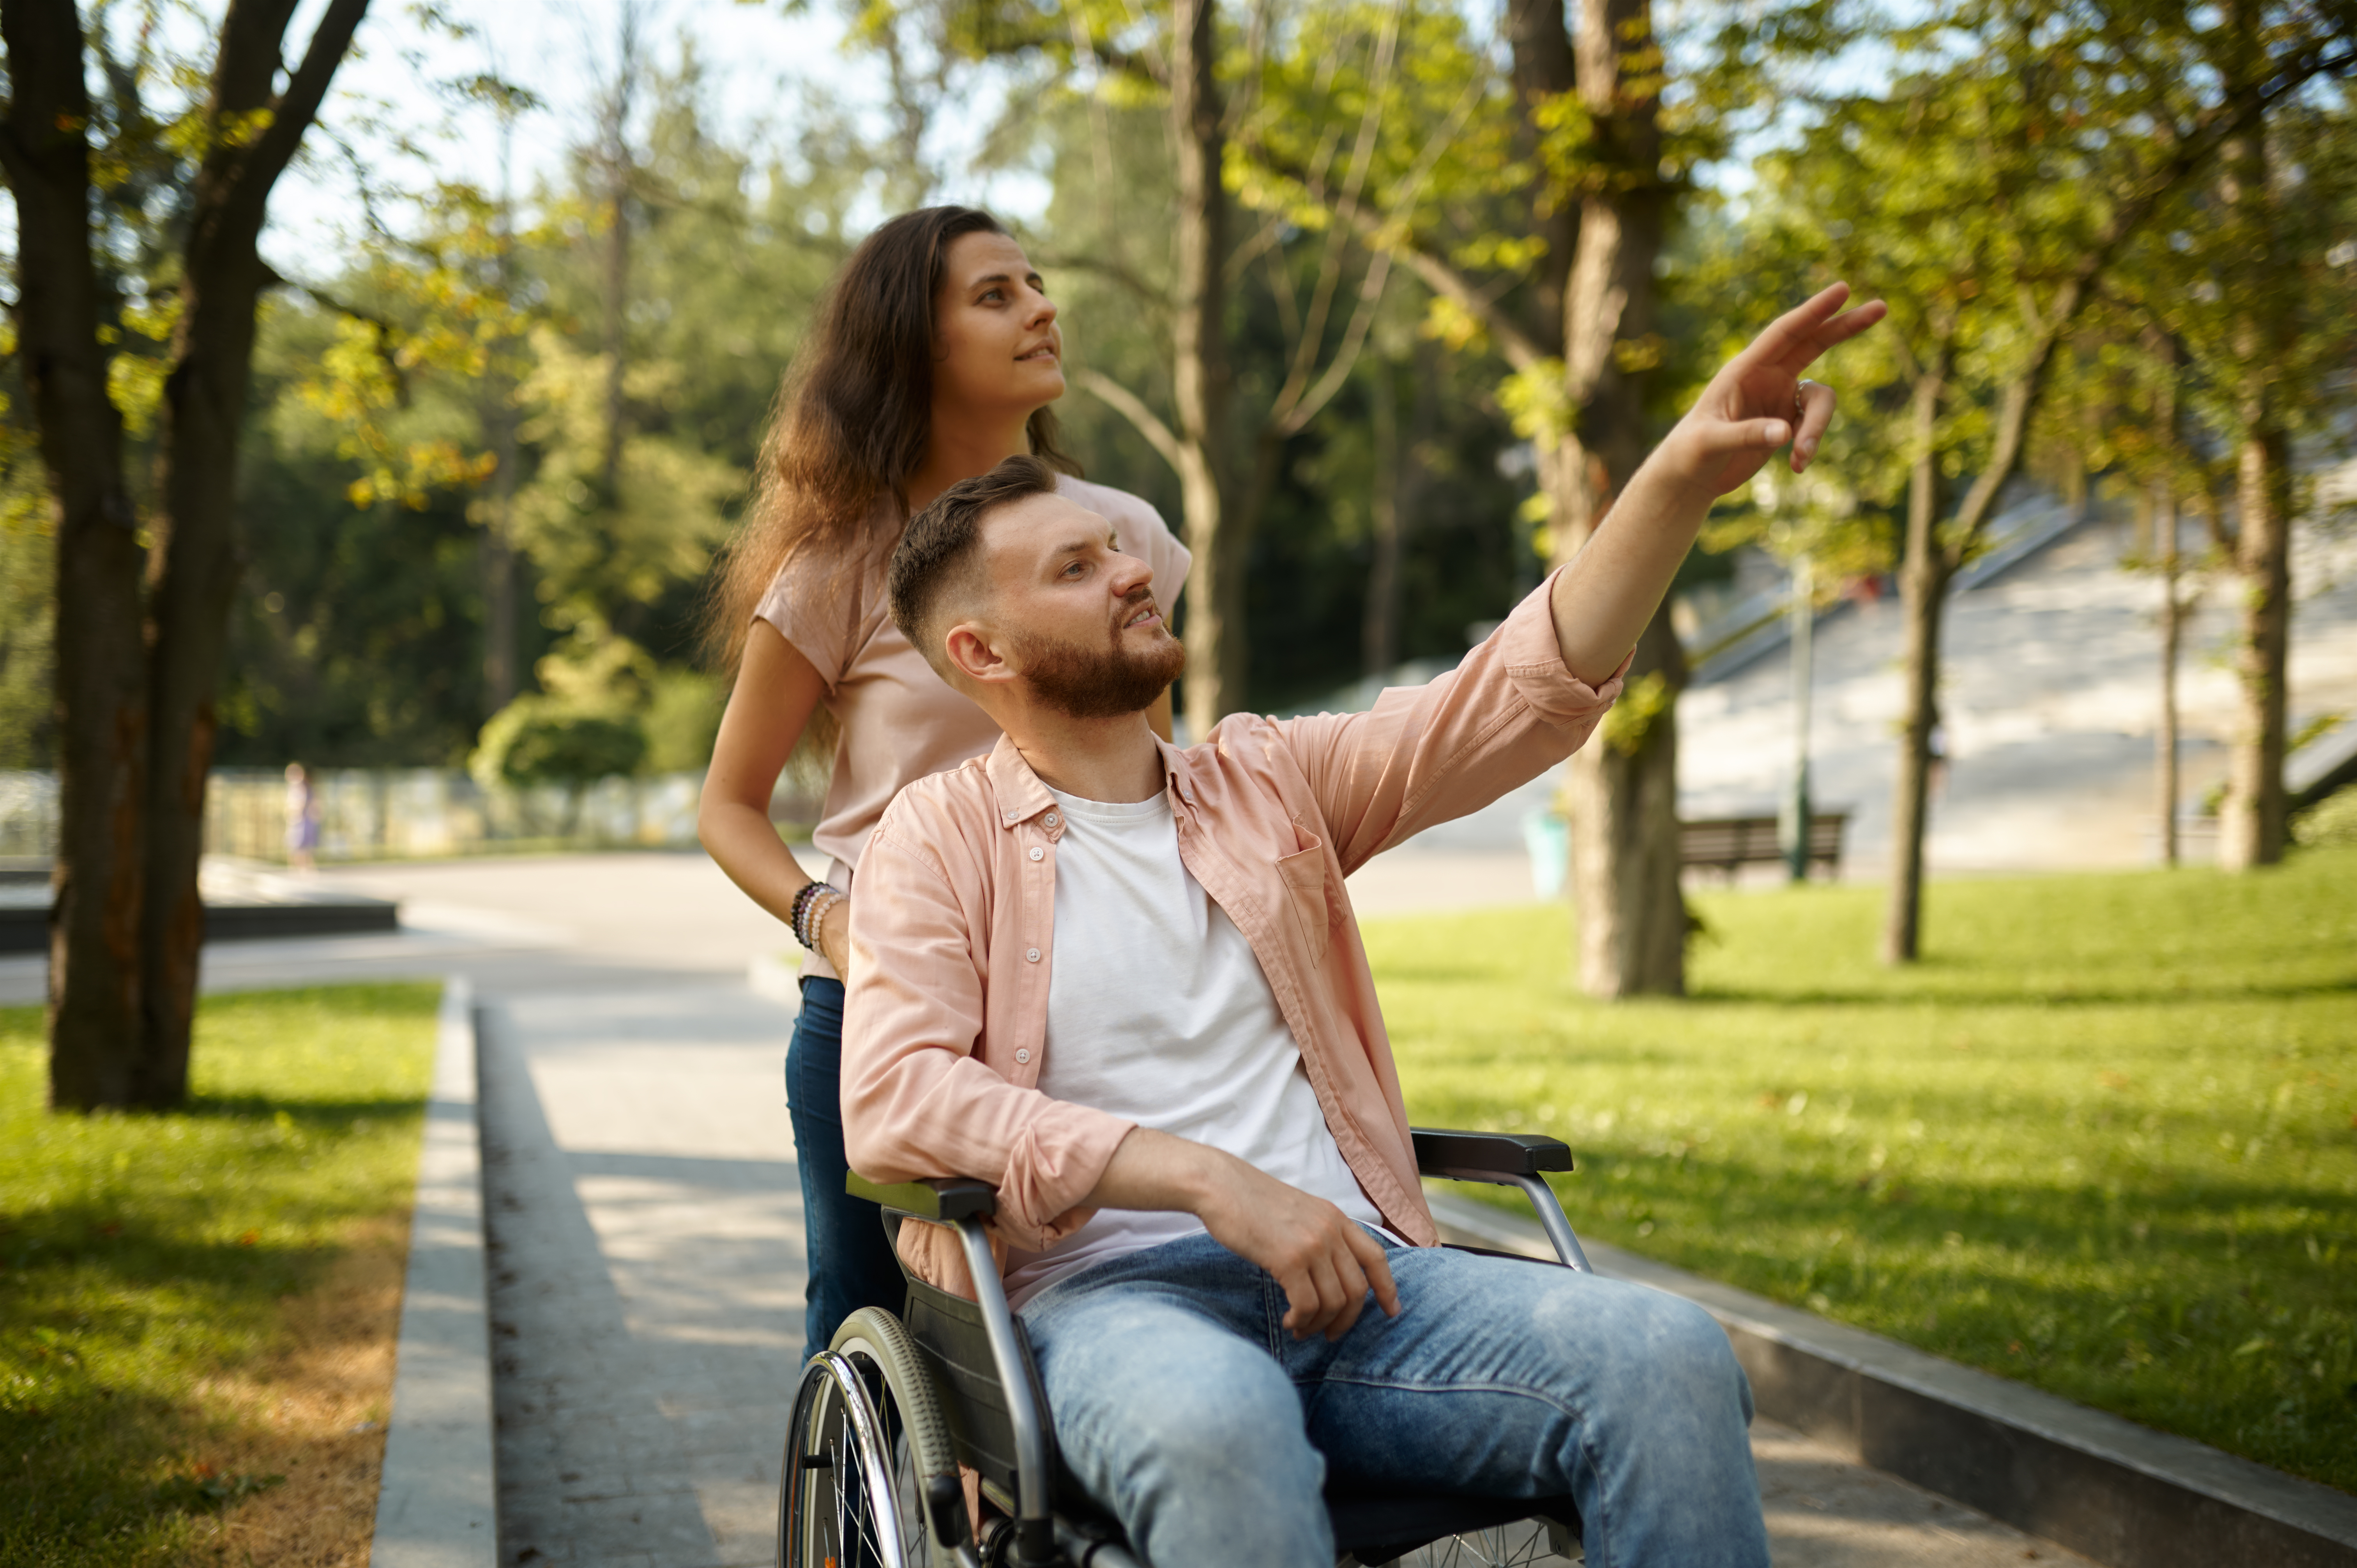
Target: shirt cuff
pixel 1533 660
pixel 1056 1161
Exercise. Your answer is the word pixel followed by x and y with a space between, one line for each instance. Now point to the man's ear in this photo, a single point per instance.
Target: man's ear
pixel 974 652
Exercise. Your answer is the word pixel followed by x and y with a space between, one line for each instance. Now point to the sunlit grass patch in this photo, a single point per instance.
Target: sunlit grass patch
pixel 2103 1140
pixel 194 1306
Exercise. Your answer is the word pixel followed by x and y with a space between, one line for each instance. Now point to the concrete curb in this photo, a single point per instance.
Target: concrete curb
pixel 2117 1492
pixel 436 1506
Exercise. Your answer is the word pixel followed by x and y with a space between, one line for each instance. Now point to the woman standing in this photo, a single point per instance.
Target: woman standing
pixel 935 354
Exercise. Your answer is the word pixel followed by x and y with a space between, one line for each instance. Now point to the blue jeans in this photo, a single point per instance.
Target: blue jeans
pixel 851 1262
pixel 1209 1431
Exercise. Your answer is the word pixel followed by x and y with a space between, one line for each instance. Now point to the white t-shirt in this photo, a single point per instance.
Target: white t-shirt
pixel 1157 1011
pixel 900 721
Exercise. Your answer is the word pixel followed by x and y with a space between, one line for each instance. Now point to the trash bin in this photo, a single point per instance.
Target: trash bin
pixel 1547 836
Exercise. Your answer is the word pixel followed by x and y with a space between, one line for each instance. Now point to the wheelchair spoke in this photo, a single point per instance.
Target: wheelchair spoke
pixel 1523 1545
pixel 846 1490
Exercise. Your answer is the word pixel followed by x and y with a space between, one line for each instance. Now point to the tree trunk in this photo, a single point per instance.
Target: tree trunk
pixel 2251 828
pixel 101 671
pixel 1922 594
pixel 500 675
pixel 1215 630
pixel 1543 67
pixel 1624 796
pixel 499 678
pixel 1624 843
pixel 617 294
pixel 195 561
pixel 2164 740
pixel 2163 556
pixel 1607 322
pixel 194 571
pixel 136 674
pixel 1379 625
pixel 614 152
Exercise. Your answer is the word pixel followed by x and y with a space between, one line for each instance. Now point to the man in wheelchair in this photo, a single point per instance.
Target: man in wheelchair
pixel 1122 982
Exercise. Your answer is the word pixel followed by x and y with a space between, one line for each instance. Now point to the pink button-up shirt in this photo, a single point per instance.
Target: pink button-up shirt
pixel 945 1019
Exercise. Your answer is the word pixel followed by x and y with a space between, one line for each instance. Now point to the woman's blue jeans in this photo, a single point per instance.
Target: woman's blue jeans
pixel 850 1262
pixel 1185 1408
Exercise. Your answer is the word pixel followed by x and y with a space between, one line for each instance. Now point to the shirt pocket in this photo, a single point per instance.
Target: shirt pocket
pixel 1304 873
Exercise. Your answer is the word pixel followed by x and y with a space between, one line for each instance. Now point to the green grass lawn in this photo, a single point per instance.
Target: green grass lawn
pixel 145 1260
pixel 2102 1140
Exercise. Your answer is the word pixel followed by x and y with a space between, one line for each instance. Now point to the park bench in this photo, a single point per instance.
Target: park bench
pixel 1728 843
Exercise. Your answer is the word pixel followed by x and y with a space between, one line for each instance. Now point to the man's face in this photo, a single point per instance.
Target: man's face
pixel 1081 626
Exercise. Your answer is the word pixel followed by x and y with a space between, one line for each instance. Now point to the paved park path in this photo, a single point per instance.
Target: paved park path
pixel 644 1214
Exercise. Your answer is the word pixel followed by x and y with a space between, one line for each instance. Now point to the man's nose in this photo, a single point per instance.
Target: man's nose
pixel 1128 575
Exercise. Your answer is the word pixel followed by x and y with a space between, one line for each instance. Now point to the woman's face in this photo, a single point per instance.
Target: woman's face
pixel 997 352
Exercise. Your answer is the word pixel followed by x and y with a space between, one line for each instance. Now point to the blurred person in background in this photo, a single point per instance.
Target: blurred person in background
pixel 302 818
pixel 934 355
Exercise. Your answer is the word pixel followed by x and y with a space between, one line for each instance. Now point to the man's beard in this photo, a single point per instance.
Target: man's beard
pixel 1101 683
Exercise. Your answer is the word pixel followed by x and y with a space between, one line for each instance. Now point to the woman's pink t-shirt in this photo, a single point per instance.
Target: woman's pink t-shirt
pixel 899 721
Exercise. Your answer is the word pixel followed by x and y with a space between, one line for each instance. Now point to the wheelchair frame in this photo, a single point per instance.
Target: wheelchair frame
pixel 971 1351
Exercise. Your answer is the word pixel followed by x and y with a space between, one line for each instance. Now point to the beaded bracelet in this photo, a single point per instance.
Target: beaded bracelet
pixel 812 907
pixel 801 901
pixel 814 919
pixel 801 910
pixel 821 908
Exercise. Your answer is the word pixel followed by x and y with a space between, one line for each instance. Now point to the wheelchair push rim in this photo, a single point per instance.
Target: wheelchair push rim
pixel 865 1447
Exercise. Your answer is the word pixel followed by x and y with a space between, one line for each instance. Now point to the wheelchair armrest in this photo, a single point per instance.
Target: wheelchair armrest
pixel 1486 1156
pixel 942 1199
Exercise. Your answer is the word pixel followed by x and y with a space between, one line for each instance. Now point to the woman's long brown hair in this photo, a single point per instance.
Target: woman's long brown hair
pixel 850 423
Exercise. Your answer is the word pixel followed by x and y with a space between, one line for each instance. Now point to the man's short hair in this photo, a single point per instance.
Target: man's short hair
pixel 938 554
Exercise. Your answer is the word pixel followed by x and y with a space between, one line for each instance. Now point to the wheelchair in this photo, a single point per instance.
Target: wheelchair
pixel 883 1418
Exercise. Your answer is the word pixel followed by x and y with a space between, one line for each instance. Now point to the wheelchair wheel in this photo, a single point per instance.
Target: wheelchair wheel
pixel 1529 1543
pixel 868 1467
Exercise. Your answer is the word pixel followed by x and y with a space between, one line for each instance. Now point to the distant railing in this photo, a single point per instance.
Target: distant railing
pixel 407 813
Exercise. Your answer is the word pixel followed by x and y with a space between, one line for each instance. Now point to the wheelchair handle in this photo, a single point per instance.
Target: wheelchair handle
pixel 1486 1156
pixel 944 1200
pixel 1506 1159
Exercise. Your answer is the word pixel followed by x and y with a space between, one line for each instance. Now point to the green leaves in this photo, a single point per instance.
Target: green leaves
pixel 598 551
pixel 541 740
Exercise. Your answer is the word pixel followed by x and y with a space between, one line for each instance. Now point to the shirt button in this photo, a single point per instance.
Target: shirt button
pixel 1023 1054
pixel 1031 955
pixel 1050 818
pixel 1037 853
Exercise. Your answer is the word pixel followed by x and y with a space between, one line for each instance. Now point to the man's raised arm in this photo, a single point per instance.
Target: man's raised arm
pixel 1530 694
pixel 1603 599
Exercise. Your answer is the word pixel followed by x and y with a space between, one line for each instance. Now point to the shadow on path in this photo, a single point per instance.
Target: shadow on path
pixel 591 1472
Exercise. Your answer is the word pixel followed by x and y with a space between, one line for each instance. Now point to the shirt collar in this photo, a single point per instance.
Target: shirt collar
pixel 1175 769
pixel 1017 788
pixel 1021 796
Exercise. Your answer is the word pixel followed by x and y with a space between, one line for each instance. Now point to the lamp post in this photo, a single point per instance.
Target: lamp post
pixel 1794 823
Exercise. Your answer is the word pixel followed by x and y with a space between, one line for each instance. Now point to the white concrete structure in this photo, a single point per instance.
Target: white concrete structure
pixel 2051 699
